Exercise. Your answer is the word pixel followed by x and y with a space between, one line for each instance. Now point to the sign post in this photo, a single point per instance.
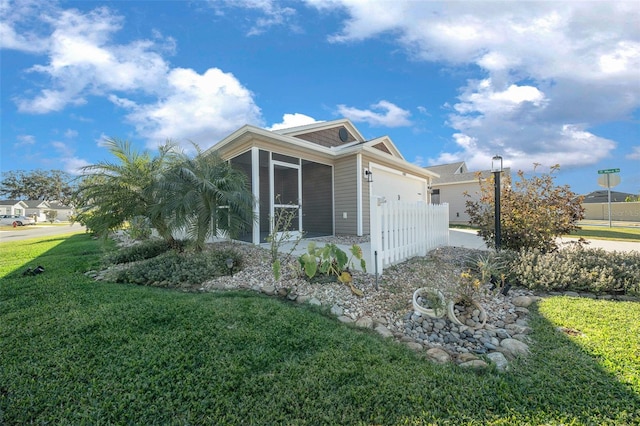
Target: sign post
pixel 609 182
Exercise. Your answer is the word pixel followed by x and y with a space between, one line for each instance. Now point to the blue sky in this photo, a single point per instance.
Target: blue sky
pixel 536 82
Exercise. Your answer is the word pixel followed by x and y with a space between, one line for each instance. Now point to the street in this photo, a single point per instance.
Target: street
pixel 40 230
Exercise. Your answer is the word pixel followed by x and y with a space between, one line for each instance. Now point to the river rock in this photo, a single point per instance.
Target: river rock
pixel 383 331
pixel 439 355
pixel 474 363
pixel 365 322
pixel 516 347
pixel 499 360
pixel 522 301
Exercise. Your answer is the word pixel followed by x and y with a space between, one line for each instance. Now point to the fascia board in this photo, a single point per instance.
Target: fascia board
pixel 249 131
pixel 401 163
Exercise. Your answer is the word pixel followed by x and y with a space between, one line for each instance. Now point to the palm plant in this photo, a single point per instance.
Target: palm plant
pixel 113 193
pixel 205 196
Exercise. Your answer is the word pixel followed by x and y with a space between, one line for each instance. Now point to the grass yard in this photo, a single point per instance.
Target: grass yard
pixel 606 233
pixel 74 351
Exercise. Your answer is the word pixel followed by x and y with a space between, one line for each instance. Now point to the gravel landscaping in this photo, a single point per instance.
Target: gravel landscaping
pixel 387 304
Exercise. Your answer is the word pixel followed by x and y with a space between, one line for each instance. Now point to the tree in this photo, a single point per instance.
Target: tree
pixel 46 185
pixel 113 193
pixel 204 196
pixel 534 211
pixel 51 215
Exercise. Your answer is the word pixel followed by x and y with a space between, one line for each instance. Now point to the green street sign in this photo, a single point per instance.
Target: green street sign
pixel 607 171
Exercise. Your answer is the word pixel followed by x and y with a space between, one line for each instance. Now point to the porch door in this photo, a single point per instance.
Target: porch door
pixel 286 190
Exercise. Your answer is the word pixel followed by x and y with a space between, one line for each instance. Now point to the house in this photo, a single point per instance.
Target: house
pixel 13 207
pixel 36 209
pixel 602 196
pixel 327 173
pixel 63 213
pixel 453 182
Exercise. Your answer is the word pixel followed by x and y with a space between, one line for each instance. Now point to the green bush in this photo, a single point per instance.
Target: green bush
pixel 136 252
pixel 576 269
pixel 174 269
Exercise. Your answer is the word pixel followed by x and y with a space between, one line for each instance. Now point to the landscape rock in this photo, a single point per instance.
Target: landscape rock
pixel 365 322
pixel 522 301
pixel 474 363
pixel 499 360
pixel 516 347
pixel 383 331
pixel 439 355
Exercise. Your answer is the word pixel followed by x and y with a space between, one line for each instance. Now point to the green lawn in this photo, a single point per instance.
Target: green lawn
pixel 606 233
pixel 73 351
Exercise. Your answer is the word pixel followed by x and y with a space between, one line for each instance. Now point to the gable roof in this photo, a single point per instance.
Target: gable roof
pixel 453 173
pixel 13 203
pixel 308 138
pixel 35 204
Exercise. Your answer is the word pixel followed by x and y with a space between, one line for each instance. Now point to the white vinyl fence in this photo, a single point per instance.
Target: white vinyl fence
pixel 401 230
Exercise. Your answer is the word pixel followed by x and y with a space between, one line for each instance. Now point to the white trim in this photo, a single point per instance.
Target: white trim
pixel 359 195
pixel 255 186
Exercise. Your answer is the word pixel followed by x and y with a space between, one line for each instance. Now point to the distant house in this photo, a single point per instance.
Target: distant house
pixel 13 207
pixel 36 209
pixel 602 197
pixel 453 181
pixel 326 172
pixel 64 212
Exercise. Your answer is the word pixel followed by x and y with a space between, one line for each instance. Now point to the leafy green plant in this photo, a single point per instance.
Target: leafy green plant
pixel 329 260
pixel 174 269
pixel 139 228
pixel 144 250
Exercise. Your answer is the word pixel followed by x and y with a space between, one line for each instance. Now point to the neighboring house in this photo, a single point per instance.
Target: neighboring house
pixel 36 209
pixel 602 196
pixel 454 181
pixel 326 172
pixel 64 212
pixel 14 207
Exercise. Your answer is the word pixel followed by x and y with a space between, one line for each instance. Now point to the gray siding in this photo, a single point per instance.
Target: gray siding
pixel 345 195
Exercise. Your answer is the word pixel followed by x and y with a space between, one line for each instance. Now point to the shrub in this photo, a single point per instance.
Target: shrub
pixel 576 269
pixel 175 269
pixel 534 211
pixel 141 251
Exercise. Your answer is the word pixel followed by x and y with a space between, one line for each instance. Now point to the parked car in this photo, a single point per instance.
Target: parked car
pixel 10 219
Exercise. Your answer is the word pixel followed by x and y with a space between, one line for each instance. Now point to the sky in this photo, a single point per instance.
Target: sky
pixel 544 83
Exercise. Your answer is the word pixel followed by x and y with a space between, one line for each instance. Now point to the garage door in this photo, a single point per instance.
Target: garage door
pixel 394 186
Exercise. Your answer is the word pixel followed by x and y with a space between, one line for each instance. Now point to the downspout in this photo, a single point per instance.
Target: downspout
pixel 359 195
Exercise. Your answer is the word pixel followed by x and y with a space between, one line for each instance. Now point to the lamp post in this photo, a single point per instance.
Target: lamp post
pixel 496 168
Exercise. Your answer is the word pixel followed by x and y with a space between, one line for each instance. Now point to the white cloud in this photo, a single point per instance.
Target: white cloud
pixel 70 162
pixel 384 114
pixel 199 108
pixel 272 13
pixel 293 120
pixel 84 60
pixel 26 139
pixel 548 68
pixel 635 154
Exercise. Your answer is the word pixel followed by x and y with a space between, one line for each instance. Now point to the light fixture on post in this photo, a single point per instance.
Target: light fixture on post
pixel 368 175
pixel 496 168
